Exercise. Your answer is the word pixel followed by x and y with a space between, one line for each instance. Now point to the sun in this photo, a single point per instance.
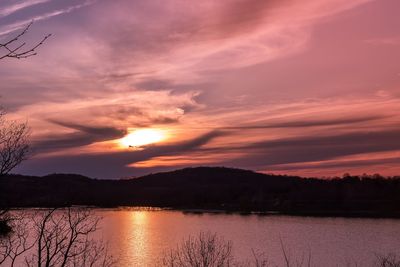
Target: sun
pixel 142 137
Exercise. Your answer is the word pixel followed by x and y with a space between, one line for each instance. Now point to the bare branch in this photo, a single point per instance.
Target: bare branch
pixel 14 146
pixel 205 250
pixel 15 244
pixel 14 149
pixel 65 239
pixel 14 49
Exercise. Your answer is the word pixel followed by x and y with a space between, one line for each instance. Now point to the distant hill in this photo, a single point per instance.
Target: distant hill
pixel 211 188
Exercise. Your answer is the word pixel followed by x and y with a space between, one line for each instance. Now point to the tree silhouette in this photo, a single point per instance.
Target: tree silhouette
pixel 205 250
pixel 14 146
pixel 55 237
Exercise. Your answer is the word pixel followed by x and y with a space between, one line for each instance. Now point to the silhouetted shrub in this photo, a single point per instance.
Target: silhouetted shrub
pixel 205 250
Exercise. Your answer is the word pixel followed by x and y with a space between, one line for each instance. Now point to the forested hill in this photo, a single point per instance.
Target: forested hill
pixel 211 188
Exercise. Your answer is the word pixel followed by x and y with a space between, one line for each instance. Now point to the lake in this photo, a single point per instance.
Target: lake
pixel 138 237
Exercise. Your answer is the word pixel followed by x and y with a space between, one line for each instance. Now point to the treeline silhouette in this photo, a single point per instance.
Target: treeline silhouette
pixel 212 188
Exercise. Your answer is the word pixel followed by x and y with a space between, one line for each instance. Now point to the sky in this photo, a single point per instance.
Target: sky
pixel 126 88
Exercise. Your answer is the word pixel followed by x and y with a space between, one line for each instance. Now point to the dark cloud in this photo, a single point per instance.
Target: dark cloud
pixel 85 135
pixel 164 120
pixel 337 164
pixel 121 76
pixel 114 164
pixel 154 84
pixel 101 131
pixel 146 119
pixel 317 148
pixel 121 112
pixel 261 154
pixel 141 117
pixel 310 123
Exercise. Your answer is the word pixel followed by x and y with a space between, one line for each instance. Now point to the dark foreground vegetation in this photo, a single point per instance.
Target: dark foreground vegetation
pixel 212 188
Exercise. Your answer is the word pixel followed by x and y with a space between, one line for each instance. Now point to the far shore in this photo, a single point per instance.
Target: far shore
pixel 322 214
pixel 213 190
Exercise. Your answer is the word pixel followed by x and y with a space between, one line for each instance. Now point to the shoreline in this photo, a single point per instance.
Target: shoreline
pixel 318 214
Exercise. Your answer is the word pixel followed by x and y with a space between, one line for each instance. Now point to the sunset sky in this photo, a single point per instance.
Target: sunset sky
pixel 279 86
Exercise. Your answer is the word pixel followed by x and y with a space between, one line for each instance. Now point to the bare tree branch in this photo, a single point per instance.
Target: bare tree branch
pixel 64 238
pixel 15 244
pixel 15 49
pixel 56 237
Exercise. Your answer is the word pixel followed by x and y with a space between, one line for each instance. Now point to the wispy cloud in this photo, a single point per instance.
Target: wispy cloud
pixel 11 27
pixel 8 10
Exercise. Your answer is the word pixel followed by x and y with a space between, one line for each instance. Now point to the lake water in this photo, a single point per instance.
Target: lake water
pixel 140 237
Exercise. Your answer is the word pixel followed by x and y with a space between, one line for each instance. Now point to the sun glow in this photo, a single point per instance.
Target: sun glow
pixel 142 137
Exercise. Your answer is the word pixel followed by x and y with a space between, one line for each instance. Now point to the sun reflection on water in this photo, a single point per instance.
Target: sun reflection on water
pixel 138 238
